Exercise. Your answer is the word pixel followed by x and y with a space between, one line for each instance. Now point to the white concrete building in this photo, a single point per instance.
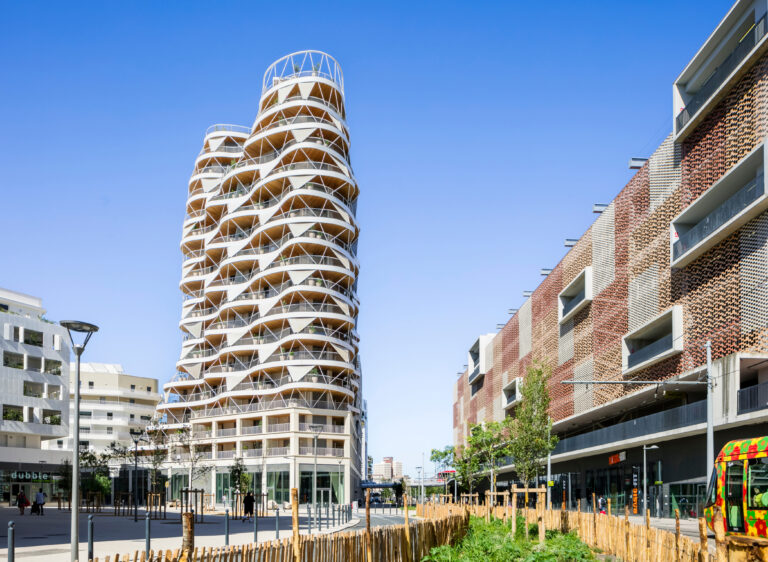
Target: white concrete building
pixel 34 394
pixel 112 403
pixel 270 346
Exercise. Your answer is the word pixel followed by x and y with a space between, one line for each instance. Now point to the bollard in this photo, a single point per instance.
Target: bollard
pixel 277 522
pixel 226 527
pixel 256 525
pixel 309 519
pixel 90 537
pixel 11 542
pixel 146 534
pixel 333 516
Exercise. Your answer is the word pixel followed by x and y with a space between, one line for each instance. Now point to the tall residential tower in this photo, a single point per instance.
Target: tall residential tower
pixel 269 361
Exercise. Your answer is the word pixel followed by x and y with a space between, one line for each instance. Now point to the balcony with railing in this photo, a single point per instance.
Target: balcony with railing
pixel 655 341
pixel 277 451
pixel 650 350
pixel 324 428
pixel 668 420
pixel 732 201
pixel 753 398
pixel 253 452
pixel 322 451
pixel 576 295
pixel 728 49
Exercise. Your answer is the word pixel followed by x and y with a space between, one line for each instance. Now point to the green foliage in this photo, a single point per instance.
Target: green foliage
pixel 238 476
pixel 12 415
pixel 493 542
pixel 531 427
pixel 467 466
pixel 488 443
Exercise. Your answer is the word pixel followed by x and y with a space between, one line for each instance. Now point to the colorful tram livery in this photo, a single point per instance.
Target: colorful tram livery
pixel 739 487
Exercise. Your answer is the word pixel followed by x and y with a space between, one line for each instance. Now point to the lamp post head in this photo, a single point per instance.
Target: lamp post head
pixel 316 428
pixel 81 328
pixel 649 447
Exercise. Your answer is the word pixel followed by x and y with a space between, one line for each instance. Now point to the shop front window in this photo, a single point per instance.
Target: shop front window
pixel 278 486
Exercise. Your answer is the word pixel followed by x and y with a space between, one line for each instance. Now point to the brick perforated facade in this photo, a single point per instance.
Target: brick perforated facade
pixel 722 292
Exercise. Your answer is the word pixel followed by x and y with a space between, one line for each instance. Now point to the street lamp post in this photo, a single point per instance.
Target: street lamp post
pixel 645 479
pixel 315 428
pixel 136 436
pixel 88 330
pixel 421 481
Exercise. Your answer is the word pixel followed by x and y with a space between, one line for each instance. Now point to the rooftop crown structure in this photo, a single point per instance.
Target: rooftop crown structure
pixel 269 360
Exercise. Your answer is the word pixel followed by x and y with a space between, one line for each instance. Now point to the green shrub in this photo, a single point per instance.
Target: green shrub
pixel 493 542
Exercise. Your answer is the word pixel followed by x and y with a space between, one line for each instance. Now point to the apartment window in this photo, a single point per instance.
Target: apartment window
pixel 132 416
pixel 3 308
pixel 102 400
pixel 109 430
pixel 34 364
pixel 60 444
pixel 133 387
pixel 145 418
pixel 90 385
pixel 131 401
pixel 52 367
pixel 149 389
pixel 109 415
pixel 13 360
pixel 33 337
pixel 16 333
pixel 84 414
pixel 85 445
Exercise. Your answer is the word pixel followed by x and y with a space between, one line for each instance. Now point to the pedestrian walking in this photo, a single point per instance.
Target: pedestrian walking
pixel 21 501
pixel 40 498
pixel 248 502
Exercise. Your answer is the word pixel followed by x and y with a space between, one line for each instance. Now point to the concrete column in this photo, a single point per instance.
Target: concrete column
pixel 294 421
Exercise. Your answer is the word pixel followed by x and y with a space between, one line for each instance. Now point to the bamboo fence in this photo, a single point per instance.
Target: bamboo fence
pixel 618 537
pixel 396 543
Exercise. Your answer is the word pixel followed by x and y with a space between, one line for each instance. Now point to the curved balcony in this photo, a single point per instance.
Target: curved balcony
pixel 313 64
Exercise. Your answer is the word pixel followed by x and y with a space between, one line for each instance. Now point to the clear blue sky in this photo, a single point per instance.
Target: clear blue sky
pixel 481 135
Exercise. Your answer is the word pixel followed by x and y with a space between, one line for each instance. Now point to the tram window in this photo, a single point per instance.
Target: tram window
pixel 712 489
pixel 757 483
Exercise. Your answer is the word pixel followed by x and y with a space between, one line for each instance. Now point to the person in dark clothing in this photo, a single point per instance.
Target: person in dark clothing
pixel 22 501
pixel 248 502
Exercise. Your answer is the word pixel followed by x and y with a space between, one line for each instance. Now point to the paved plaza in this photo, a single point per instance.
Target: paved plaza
pixel 47 537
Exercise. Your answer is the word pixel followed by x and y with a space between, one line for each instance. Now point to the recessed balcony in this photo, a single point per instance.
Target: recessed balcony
pixel 510 394
pixel 656 341
pixel 576 295
pixel 726 56
pixel 732 201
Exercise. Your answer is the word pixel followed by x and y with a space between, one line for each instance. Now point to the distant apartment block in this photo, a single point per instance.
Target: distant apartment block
pixel 112 404
pixel 677 259
pixel 34 393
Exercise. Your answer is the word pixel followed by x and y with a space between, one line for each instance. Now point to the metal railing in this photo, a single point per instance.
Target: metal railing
pixel 322 451
pixel 250 429
pixel 326 428
pixel 227 432
pixel 278 427
pixel 277 451
pixel 227 128
pixel 739 53
pixel 474 374
pixel 225 454
pixel 252 452
pixel 268 405
pixel 717 218
pixel 674 418
pixel 753 398
pixel 651 350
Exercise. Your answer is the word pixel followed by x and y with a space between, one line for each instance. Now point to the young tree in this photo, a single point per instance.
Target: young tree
pixel 238 475
pixel 489 443
pixel 531 426
pixel 466 466
pixel 444 458
pixel 191 457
